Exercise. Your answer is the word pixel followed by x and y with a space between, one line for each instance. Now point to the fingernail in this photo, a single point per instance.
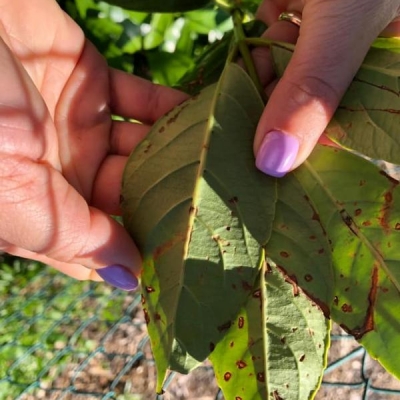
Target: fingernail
pixel 119 276
pixel 277 153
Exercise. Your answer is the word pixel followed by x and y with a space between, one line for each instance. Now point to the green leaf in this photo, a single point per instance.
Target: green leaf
pixel 159 6
pixel 368 115
pixel 357 206
pixel 193 202
pixel 159 24
pixel 392 44
pixel 276 347
pixel 298 243
pixel 168 68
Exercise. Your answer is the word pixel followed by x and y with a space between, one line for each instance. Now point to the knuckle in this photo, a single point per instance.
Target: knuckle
pixel 311 89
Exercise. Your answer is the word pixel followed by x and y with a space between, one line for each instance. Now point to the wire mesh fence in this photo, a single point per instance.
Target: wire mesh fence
pixel 63 339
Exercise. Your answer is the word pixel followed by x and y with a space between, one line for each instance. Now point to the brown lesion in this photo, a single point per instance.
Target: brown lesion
pixel 369 322
pixel 163 248
pixel 384 213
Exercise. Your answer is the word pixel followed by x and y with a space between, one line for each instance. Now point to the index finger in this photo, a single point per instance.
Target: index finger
pixel 140 99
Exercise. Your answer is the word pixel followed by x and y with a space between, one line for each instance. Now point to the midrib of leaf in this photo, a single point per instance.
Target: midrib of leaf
pixel 264 318
pixel 354 227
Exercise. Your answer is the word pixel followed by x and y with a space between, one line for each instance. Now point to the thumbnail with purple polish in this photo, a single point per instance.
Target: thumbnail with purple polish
pixel 277 153
pixel 119 276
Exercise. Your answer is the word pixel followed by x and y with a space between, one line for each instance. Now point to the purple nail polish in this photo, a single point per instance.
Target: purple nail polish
pixel 277 153
pixel 119 276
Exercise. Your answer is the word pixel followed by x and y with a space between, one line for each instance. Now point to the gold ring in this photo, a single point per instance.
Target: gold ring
pixel 291 16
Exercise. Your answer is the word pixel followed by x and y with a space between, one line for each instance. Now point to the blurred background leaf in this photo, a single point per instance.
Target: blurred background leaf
pixel 162 47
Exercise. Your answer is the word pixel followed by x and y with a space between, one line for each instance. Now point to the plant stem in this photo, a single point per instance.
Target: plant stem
pixel 242 45
pixel 264 42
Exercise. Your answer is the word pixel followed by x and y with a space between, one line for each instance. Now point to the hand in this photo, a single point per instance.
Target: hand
pixel 335 36
pixel 61 155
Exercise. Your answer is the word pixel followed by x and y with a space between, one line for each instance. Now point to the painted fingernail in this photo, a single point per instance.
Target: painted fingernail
pixel 277 153
pixel 119 276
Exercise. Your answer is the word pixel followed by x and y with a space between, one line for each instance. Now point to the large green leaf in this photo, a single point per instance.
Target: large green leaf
pixel 171 6
pixel 193 202
pixel 357 207
pixel 276 347
pixel 368 117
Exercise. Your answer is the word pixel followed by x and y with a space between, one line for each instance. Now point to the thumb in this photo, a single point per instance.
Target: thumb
pixel 334 39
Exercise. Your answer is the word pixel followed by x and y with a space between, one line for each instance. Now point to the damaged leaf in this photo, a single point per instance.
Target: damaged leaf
pixel 193 202
pixel 276 347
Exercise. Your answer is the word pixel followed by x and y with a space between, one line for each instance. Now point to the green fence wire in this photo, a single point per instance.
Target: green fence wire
pixel 63 339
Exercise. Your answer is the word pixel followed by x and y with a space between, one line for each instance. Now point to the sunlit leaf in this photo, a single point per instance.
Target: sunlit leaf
pixel 368 117
pixel 159 24
pixel 276 347
pixel 355 274
pixel 193 201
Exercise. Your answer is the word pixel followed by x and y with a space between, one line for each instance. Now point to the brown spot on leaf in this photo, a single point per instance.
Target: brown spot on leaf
pixel 246 286
pixel 336 300
pixel 148 147
pixel 162 129
pixel 142 299
pixel 397 227
pixel 228 228
pixel 241 364
pixel 150 289
pixel 231 344
pixel 276 396
pixel 357 212
pixel 362 182
pixel 294 329
pixel 261 377
pixel 366 223
pixel 321 251
pixel 347 308
pixel 233 200
pixel 257 294
pixel 225 326
pixel 227 376
pixel 302 357
pixel 157 317
pixel 146 316
pixel 238 398
pixel 312 237
pixel 169 244
pixel 283 340
pixel 308 278
pixel 240 322
pixel 284 254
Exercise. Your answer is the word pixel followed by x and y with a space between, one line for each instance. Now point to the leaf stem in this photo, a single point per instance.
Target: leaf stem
pixel 243 47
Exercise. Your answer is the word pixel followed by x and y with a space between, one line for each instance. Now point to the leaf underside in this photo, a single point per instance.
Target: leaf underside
pixel 204 219
pixel 193 201
pixel 276 347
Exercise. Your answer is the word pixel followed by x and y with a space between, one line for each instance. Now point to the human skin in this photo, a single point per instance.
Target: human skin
pixel 61 155
pixel 332 42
